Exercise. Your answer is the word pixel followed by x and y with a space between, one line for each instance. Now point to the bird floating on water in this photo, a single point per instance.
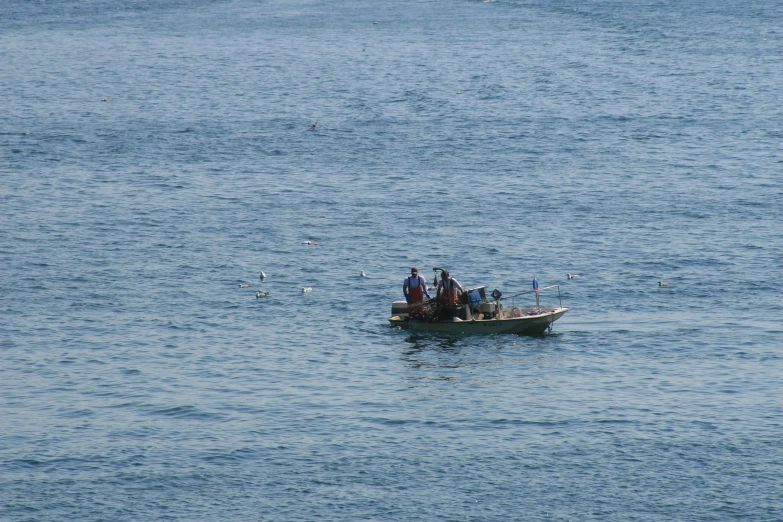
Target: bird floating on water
pixel 244 286
pixel 573 276
pixel 664 283
pixel 310 243
pixel 362 274
pixel 262 276
pixel 307 289
pixel 259 295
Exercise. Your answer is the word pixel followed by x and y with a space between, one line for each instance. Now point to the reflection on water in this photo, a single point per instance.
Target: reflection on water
pixel 470 360
pixel 425 345
pixel 421 341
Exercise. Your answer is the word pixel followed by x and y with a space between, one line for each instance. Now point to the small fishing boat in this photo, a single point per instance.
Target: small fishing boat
pixel 473 313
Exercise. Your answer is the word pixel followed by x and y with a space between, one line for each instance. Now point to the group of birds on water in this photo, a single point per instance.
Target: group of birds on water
pixel 308 289
pixel 305 289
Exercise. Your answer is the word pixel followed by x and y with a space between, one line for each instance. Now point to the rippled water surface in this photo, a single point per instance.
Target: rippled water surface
pixel 627 142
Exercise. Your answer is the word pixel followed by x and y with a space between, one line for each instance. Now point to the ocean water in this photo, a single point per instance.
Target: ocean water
pixel 627 142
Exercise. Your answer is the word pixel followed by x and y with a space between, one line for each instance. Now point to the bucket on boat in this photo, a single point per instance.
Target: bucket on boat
pixel 475 298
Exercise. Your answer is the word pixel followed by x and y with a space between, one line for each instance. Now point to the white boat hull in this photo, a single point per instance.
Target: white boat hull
pixel 530 323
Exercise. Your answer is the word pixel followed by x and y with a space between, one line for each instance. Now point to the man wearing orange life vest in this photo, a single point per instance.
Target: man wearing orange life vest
pixel 447 288
pixel 414 287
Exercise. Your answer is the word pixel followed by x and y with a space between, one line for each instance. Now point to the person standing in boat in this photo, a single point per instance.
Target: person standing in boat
pixel 415 287
pixel 447 288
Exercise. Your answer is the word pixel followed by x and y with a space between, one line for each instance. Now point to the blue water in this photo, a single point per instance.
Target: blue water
pixel 628 142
